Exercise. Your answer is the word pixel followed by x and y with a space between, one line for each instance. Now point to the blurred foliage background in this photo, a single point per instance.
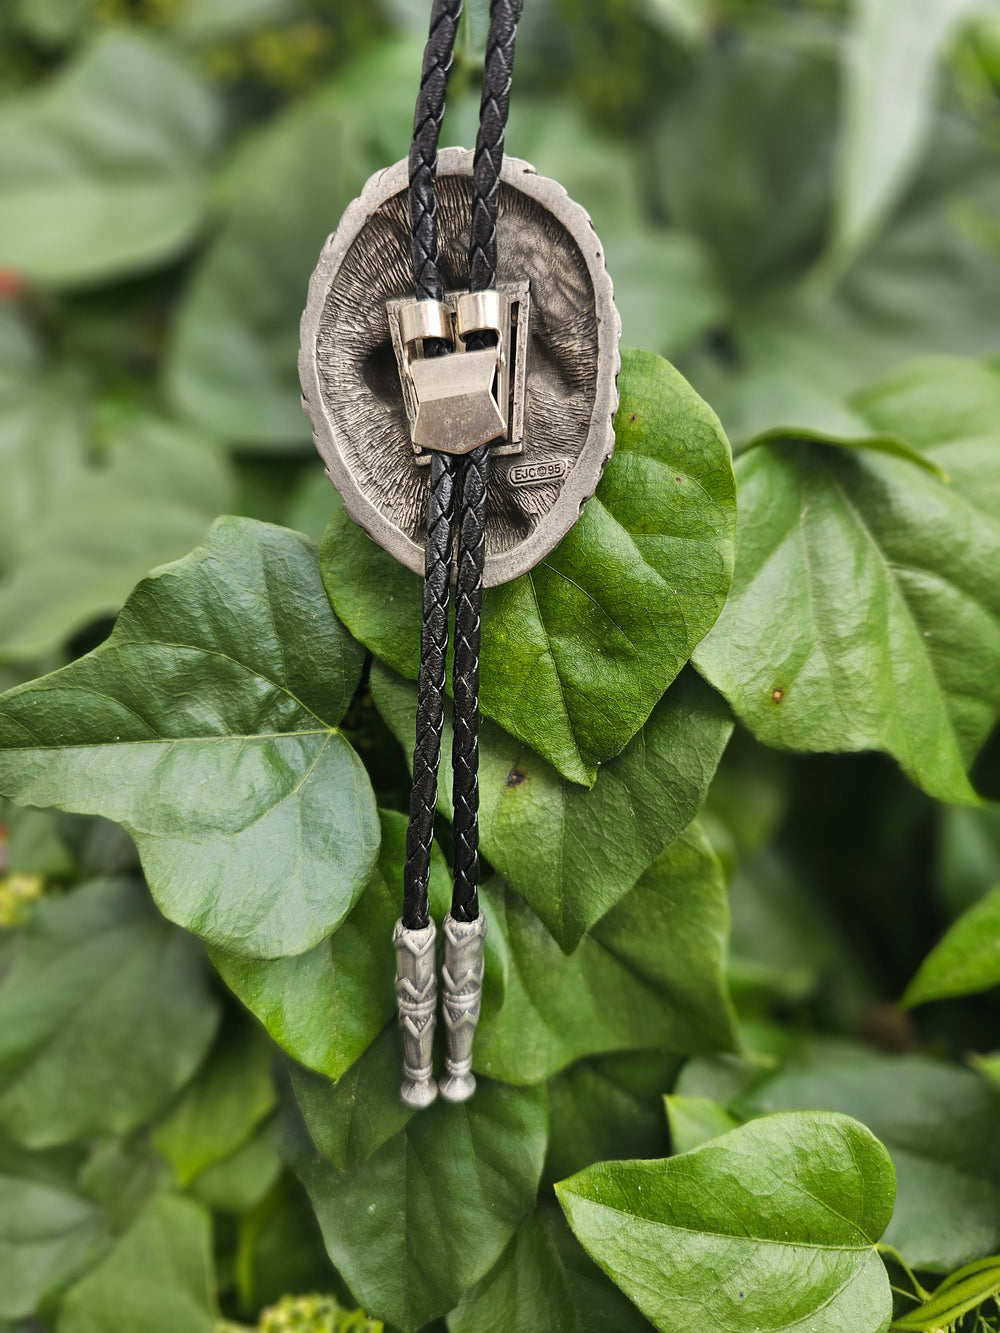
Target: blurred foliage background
pixel 794 198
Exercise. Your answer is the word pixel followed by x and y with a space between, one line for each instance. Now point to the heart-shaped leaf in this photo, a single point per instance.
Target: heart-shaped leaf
pixel 572 853
pixel 577 652
pixel 423 1205
pixel 159 1278
pixel 650 973
pixel 105 1014
pixel 104 171
pixel 543 1280
pixel 326 1006
pixel 156 494
pixel 861 616
pixel 206 726
pixel 773 1225
pixel 938 1120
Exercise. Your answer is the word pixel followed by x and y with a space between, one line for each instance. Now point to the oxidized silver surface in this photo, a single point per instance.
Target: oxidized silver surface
pixel 416 1000
pixel 462 974
pixel 351 387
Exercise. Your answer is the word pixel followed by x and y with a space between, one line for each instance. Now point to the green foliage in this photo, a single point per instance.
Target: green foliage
pixel 699 925
pixel 772 1224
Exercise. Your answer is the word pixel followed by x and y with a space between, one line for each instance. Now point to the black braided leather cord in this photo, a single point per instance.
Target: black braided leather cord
pixel 429 114
pixel 494 107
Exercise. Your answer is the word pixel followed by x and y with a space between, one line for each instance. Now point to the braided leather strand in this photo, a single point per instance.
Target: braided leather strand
pixel 475 474
pixel 429 114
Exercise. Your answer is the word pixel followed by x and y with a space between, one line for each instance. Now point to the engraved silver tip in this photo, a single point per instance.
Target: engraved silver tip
pixel 457 1087
pixel 419 1094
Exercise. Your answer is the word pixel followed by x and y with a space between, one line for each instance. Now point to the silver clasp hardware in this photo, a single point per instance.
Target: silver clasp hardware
pixel 462 399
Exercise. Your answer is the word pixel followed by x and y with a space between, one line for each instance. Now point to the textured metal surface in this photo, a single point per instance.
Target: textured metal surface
pixel 416 999
pixel 352 393
pixel 461 998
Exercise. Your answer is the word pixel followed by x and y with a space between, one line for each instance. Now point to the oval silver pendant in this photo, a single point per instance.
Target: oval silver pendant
pixel 563 361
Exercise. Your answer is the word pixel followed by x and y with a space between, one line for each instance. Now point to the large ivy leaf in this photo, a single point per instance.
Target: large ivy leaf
pixel 543 1280
pixel 572 853
pixel 967 960
pixel 773 1225
pixel 891 60
pixel 206 726
pixel 219 1111
pixel 104 170
pixel 159 1278
pixel 325 1007
pixel 938 1122
pixel 233 365
pixel 104 1015
pixel 46 1234
pixel 864 614
pixel 42 438
pixel 650 973
pixel 159 488
pixel 577 652
pixel 422 1205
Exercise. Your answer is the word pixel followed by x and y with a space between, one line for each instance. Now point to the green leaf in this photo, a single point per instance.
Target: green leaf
pixel 572 853
pixel 696 1120
pixel 241 1181
pixel 206 726
pixel 967 959
pixel 105 1014
pixel 543 1280
pixel 891 59
pixel 159 1278
pixel 848 629
pixel 577 652
pixel 425 1203
pixel 650 973
pixel 46 1235
pixel 42 438
pixel 232 367
pixel 326 1006
pixel 959 1293
pixel 939 1123
pixel 773 1225
pixel 608 1106
pixel 158 490
pixel 103 170
pixel 222 1107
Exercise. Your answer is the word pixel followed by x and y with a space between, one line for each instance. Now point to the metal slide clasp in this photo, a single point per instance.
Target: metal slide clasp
pixel 462 399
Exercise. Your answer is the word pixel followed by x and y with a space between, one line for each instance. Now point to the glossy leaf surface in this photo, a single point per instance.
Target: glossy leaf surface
pixel 773 1225
pixel 206 726
pixel 967 960
pixel 862 616
pixel 326 1006
pixel 577 652
pixel 572 853
pixel 650 973
pixel 423 1204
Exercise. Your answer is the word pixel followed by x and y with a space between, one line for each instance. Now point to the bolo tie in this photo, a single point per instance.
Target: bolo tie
pixel 459 366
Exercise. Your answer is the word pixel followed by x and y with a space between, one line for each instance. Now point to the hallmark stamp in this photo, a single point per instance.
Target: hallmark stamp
pixel 526 474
